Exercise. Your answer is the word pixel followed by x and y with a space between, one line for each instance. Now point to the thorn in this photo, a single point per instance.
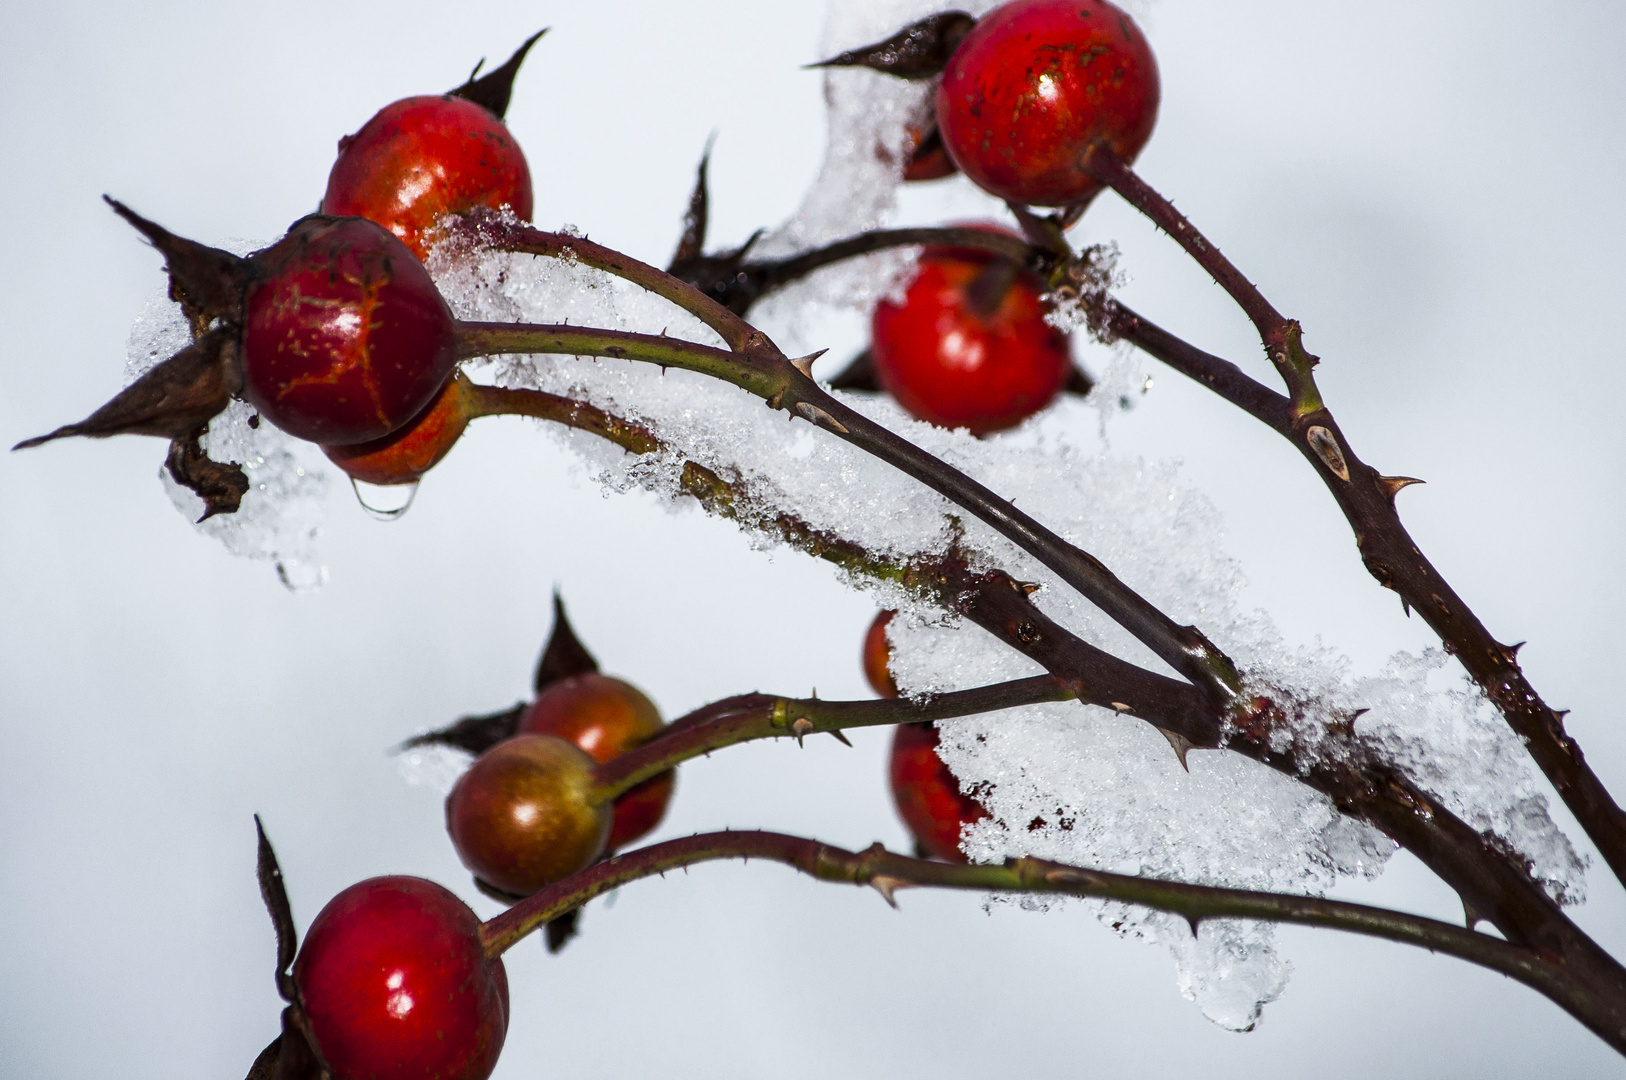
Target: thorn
pixel 1357 714
pixel 804 364
pixel 1404 606
pixel 1181 745
pixel 888 886
pixel 1392 485
pixel 1119 706
pixel 801 729
pixel 1026 588
pixel 818 416
pixel 841 737
pixel 1471 916
pixel 1192 921
pixel 1510 653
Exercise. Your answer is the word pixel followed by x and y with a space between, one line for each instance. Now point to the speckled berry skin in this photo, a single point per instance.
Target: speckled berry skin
pixel 606 717
pixel 1033 84
pixel 948 364
pixel 346 337
pixel 521 818
pixel 927 795
pixel 422 158
pixel 396 987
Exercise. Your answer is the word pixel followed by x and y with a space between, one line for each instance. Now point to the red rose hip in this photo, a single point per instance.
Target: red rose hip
pixel 346 337
pixel 404 455
pixel 396 985
pixel 1033 84
pixel 422 158
pixel 877 656
pixel 969 346
pixel 927 794
pixel 607 717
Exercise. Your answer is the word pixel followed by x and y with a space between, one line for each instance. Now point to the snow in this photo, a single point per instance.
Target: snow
pixel 1067 782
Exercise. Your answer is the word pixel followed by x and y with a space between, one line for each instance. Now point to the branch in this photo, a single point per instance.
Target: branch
pixel 887 872
pixel 761 716
pixel 1367 499
pixel 783 384
pixel 1488 881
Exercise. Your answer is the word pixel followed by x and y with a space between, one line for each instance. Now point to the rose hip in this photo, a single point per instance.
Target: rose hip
pixel 968 346
pixel 877 656
pixel 346 337
pixel 927 795
pixel 404 455
pixel 422 158
pixel 522 817
pixel 1033 84
pixel 396 985
pixel 607 717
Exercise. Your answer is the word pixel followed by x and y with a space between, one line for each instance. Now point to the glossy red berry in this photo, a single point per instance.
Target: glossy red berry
pixel 878 656
pixel 346 337
pixel 968 346
pixel 396 985
pixel 523 816
pixel 422 158
pixel 1033 84
pixel 927 794
pixel 606 717
pixel 404 455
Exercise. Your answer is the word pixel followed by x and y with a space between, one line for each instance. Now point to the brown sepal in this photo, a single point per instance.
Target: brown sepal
pixel 475 734
pixel 564 655
pixel 207 282
pixel 275 895
pixel 173 400
pixel 265 1066
pixel 1078 382
pixel 920 50
pixel 858 375
pixel 297 1057
pixel 495 88
pixel 220 485
pixel 557 934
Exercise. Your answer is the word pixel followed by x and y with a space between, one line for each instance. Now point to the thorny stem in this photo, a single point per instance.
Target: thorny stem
pixel 1366 498
pixel 763 716
pixel 887 872
pixel 1499 889
pixel 784 385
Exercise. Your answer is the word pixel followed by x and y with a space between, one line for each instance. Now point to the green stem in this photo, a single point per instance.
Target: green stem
pixel 887 873
pixel 761 716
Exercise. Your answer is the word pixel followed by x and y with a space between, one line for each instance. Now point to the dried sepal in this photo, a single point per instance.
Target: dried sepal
pixel 221 485
pixel 275 895
pixel 171 401
pixel 265 1066
pixel 297 1056
pixel 495 88
pixel 859 375
pixel 207 282
pixel 558 933
pixel 692 245
pixel 920 50
pixel 564 655
pixel 475 734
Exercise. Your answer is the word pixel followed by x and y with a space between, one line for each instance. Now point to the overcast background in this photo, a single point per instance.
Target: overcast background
pixel 1434 187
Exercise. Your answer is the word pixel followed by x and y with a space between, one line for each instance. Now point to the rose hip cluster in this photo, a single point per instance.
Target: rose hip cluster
pixel 337 334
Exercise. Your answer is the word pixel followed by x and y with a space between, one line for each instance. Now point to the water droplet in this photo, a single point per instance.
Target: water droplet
pixel 385 502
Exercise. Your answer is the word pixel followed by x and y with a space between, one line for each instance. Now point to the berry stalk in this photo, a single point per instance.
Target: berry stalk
pixel 762 716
